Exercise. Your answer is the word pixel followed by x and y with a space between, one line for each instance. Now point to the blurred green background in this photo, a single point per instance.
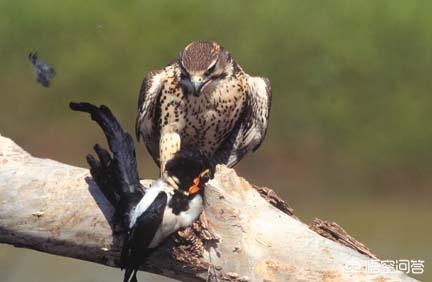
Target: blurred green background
pixel 350 132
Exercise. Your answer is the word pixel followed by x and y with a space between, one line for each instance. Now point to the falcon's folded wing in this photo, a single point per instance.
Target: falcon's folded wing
pixel 148 112
pixel 251 127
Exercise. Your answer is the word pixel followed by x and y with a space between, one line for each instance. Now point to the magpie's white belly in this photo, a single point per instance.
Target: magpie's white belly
pixel 172 222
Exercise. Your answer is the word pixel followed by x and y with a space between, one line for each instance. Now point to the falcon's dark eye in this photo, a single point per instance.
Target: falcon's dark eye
pixel 210 70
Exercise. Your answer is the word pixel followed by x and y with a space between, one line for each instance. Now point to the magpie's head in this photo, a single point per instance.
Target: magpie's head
pixel 188 171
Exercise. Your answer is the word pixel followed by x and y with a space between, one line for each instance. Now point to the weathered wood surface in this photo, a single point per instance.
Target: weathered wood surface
pixel 57 208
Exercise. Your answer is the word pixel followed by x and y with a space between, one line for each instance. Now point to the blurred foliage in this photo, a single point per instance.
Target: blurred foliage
pixel 351 80
pixel 351 85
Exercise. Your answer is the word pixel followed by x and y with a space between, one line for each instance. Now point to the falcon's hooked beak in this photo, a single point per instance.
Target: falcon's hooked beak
pixel 198 82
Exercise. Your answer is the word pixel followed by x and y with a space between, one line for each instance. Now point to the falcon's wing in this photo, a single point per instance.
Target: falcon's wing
pixel 251 127
pixel 148 112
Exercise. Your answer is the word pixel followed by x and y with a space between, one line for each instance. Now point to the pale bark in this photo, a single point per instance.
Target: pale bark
pixel 57 208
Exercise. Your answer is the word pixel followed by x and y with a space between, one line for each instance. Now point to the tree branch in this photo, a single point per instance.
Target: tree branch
pixel 244 234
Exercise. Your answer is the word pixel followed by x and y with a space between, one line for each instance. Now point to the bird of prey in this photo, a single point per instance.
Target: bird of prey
pixel 151 216
pixel 44 72
pixel 203 100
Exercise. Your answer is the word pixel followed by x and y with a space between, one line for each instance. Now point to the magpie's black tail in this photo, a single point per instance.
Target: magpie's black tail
pixel 116 176
pixel 130 272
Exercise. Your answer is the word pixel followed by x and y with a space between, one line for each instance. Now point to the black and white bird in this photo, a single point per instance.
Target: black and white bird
pixel 170 203
pixel 203 100
pixel 163 209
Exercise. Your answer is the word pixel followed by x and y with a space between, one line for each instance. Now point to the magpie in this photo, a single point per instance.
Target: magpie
pixel 173 201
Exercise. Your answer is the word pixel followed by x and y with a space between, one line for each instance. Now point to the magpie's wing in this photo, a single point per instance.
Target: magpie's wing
pixel 135 247
pixel 116 176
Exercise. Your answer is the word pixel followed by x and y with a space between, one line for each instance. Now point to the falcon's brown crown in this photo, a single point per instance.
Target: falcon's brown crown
pixel 199 55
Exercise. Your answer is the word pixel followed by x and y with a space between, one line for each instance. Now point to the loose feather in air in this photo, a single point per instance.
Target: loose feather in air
pixel 44 72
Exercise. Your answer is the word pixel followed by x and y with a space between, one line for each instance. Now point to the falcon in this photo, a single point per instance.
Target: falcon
pixel 204 101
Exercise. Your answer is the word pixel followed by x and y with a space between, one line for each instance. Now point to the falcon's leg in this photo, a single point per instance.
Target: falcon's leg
pixel 169 145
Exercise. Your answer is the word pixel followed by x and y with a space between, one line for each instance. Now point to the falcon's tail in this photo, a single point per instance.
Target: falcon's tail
pixel 116 175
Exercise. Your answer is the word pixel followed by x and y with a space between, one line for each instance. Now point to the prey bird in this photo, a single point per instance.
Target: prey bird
pixel 203 100
pixel 152 215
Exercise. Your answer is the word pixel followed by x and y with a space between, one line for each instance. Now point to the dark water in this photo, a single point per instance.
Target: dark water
pixel 349 137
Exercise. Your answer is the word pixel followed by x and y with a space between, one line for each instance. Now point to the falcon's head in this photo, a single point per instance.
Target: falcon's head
pixel 202 65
